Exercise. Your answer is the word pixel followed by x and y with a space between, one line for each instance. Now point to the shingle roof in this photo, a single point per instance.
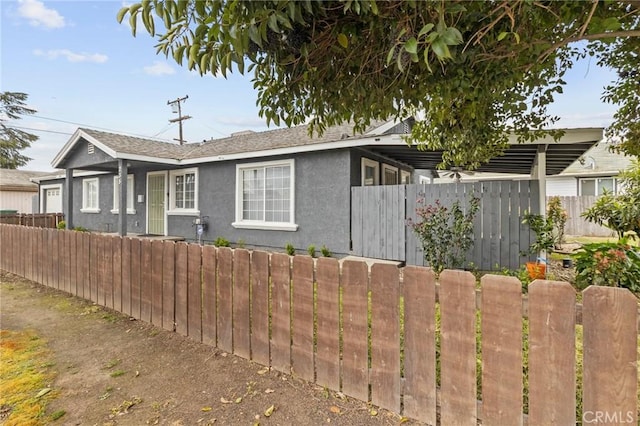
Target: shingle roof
pixel 18 178
pixel 139 146
pixel 237 143
pixel 272 139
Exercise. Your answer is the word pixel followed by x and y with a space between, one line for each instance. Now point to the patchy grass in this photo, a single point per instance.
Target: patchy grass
pixel 25 378
pixel 112 363
pixel 118 373
pixel 587 240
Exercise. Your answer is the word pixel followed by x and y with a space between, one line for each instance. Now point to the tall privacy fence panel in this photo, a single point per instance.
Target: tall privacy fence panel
pixel 379 217
pixel 441 352
pixel 576 224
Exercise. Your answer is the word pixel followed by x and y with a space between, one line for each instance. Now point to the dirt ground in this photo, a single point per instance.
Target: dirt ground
pixel 112 370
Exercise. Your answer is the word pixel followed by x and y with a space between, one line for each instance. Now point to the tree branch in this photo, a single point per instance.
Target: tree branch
pixel 598 36
pixel 586 22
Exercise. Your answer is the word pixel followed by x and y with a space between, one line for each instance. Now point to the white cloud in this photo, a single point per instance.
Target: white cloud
pixel 39 15
pixel 159 68
pixel 97 58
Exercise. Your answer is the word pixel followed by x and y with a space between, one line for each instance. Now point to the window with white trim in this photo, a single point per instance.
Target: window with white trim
pixel 183 191
pixel 405 177
pixel 265 196
pixel 90 195
pixel 370 172
pixel 389 175
pixel 130 195
pixel 597 186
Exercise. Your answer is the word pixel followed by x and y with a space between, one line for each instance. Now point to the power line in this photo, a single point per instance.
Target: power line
pixel 91 126
pixel 39 130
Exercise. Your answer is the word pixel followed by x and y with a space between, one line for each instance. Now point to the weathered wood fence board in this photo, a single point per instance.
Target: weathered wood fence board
pixel 610 369
pixel 355 305
pixel 328 350
pixel 380 214
pixel 576 224
pixel 385 336
pixel 194 292
pixel 241 314
pixel 552 348
pixel 260 350
pixel 501 351
pixel 302 318
pixel 168 285
pixel 419 289
pixel 458 348
pixel 209 286
pixel 280 312
pixel 223 297
pixel 224 285
pixel 182 283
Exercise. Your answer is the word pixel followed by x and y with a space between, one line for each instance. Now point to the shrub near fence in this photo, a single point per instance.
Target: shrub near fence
pixel 317 322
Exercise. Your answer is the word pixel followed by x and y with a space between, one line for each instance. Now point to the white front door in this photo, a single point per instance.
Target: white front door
pixel 156 203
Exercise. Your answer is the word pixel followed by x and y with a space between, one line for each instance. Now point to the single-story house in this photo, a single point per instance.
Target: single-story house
pixel 17 190
pixel 265 189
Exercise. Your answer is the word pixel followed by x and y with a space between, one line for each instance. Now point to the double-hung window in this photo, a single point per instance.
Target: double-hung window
pixel 90 195
pixel 183 191
pixel 265 196
pixel 130 195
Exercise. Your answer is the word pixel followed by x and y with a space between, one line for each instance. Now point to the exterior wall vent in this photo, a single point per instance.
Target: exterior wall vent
pixel 90 148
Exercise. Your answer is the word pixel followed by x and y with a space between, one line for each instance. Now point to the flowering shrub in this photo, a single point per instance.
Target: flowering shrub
pixel 446 233
pixel 610 264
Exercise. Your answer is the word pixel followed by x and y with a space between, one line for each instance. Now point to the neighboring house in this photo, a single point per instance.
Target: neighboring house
pixel 590 174
pixel 266 189
pixel 17 190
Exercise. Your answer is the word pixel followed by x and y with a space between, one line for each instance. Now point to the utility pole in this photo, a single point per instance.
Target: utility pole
pixel 175 105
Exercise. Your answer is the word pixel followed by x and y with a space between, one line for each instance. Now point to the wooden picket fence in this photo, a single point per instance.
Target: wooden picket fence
pixel 370 333
pixel 40 220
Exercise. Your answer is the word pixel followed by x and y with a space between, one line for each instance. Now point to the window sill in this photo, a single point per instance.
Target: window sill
pixel 129 211
pixel 90 210
pixel 183 212
pixel 268 226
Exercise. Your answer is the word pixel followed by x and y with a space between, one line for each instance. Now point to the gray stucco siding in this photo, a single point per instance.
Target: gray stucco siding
pixel 321 209
pixel 79 157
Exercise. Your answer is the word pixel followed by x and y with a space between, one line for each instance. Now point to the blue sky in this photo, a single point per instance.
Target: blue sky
pixel 79 65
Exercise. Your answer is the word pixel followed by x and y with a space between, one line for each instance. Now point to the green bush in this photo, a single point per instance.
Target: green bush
pixel 609 264
pixel 311 250
pixel 290 249
pixel 61 225
pixel 446 233
pixel 221 242
pixel 325 251
pixel 620 213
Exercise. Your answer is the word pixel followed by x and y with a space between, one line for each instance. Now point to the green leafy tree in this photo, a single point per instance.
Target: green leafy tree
pixel 13 140
pixel 620 213
pixel 474 71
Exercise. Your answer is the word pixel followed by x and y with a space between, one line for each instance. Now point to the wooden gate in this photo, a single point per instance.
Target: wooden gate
pixel 379 217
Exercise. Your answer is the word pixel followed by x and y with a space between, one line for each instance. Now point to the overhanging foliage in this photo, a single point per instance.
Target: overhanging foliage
pixel 473 70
